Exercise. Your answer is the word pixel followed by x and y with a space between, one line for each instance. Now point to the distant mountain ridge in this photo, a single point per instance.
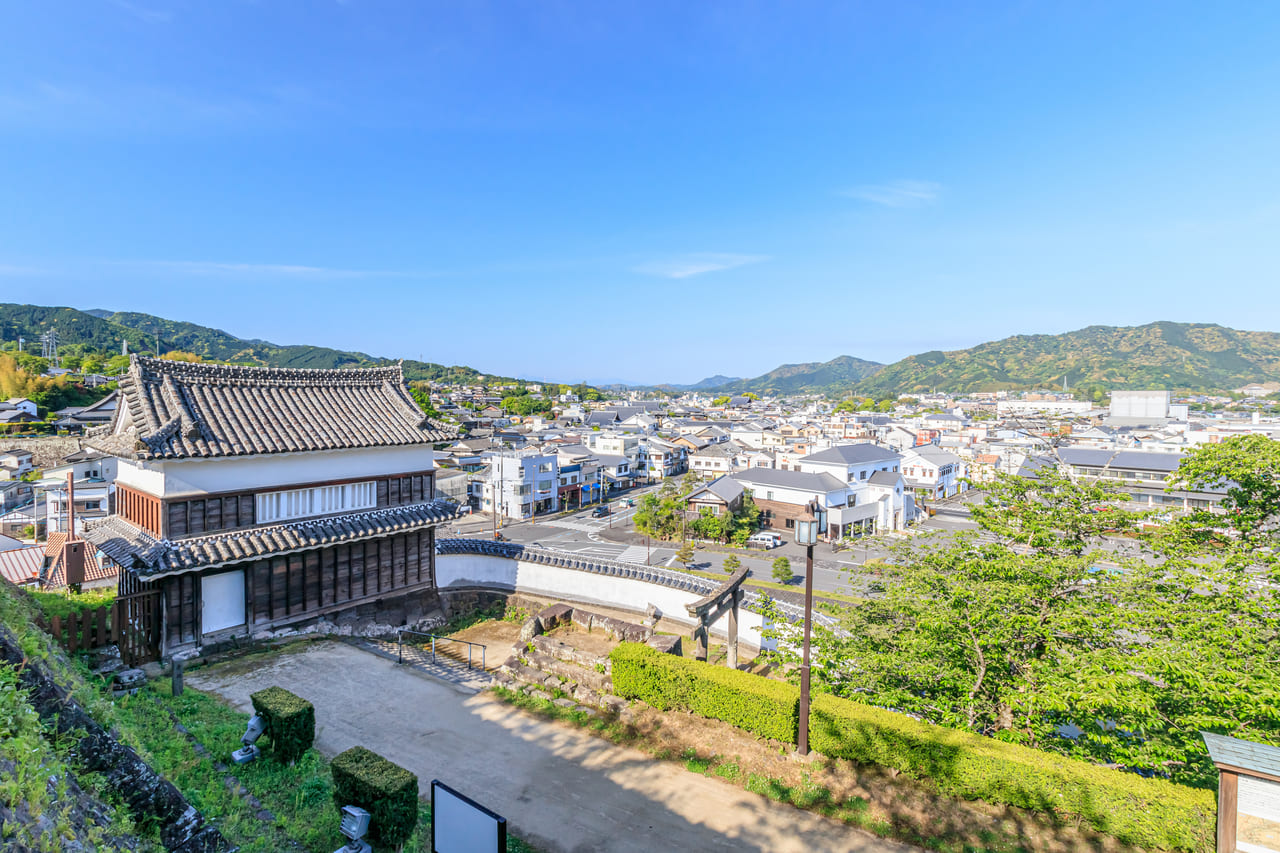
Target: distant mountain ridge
pixel 807 378
pixel 103 331
pixel 1189 357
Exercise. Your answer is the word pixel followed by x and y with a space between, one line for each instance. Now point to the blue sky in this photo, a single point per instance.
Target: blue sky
pixel 643 191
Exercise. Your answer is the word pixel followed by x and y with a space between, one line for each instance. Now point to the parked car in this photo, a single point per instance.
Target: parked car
pixel 764 539
pixel 600 511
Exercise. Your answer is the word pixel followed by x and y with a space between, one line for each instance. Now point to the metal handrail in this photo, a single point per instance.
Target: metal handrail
pixel 400 646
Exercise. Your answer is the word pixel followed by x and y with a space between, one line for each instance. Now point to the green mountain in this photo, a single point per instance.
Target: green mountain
pixel 810 378
pixel 1185 357
pixel 102 331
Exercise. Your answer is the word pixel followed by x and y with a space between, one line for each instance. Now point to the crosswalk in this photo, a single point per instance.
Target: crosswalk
pixel 634 554
pixel 582 527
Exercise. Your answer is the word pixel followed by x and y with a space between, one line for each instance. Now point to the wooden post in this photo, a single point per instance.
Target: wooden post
pixel 733 630
pixel 56 628
pixel 1228 802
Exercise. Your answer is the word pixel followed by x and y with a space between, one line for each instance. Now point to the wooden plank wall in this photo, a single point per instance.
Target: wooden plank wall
pixel 295 586
pixel 181 609
pixel 142 509
pixel 299 584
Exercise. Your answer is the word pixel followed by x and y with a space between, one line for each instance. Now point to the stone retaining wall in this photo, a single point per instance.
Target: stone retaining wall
pixel 47 450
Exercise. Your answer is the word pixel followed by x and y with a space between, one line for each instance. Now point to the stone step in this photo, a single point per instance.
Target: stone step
pixel 601 681
pixel 565 652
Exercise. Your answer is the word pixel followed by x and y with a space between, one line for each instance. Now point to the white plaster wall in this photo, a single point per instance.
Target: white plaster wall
pixel 571 585
pixel 174 478
pixel 142 476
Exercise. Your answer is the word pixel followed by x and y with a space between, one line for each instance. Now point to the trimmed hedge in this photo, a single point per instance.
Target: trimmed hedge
pixel 291 721
pixel 1134 809
pixel 1145 812
pixel 760 705
pixel 387 791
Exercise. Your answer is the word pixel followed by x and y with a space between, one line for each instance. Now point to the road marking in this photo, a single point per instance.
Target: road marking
pixel 634 554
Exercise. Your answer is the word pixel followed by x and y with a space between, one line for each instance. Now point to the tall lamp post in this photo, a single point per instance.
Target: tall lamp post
pixel 806 535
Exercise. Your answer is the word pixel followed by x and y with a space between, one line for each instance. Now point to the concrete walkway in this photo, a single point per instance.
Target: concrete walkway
pixel 562 790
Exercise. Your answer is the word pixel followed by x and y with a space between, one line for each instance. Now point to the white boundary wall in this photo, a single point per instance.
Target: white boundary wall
pixel 463 571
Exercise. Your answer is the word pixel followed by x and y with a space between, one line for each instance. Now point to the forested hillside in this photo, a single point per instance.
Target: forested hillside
pixel 1177 356
pixel 100 332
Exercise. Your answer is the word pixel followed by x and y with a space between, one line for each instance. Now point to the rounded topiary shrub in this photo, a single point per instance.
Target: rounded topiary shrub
pixel 384 789
pixel 290 719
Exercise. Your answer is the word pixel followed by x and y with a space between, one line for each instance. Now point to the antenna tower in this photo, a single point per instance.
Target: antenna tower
pixel 49 347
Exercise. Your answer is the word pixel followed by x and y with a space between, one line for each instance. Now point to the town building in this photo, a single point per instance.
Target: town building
pixel 251 500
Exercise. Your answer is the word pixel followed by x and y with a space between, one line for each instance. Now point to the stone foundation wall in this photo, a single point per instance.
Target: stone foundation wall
pixel 47 450
pixel 420 610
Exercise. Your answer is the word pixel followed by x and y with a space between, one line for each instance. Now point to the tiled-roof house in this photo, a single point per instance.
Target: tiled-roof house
pixel 252 499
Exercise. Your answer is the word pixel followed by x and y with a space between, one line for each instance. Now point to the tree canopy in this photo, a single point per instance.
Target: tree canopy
pixel 1036 633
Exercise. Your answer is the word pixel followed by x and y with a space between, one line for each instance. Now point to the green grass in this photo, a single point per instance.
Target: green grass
pixel 66 604
pixel 808 795
pixel 300 797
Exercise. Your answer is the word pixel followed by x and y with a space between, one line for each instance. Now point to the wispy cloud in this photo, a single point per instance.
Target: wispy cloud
pixel 897 193
pixel 142 13
pixel 217 268
pixel 687 266
pixel 7 270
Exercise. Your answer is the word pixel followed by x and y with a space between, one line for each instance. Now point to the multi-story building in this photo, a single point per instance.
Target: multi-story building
pixel 252 499
pixel 932 472
pixel 659 459
pixel 520 484
pixel 872 473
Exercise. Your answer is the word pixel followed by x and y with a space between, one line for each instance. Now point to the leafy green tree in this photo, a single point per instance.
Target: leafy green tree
pixel 685 554
pixel 659 514
pixel 720 401
pixel 422 397
pixel 732 563
pixel 1051 512
pixel 847 405
pixel 1018 637
pixel 782 570
pixel 708 525
pixel 744 522
pixel 1248 467
pixel 526 405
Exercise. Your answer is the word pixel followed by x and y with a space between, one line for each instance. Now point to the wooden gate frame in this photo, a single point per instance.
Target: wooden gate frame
pixel 135 627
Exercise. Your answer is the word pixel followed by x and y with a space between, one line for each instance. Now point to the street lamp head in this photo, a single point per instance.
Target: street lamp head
pixel 807 527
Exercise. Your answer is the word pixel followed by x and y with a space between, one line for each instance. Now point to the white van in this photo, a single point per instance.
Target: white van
pixel 765 539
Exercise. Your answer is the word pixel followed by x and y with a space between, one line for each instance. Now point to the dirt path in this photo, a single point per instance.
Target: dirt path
pixel 560 789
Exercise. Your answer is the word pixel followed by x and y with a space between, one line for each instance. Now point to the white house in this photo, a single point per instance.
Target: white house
pixel 873 474
pixel 932 472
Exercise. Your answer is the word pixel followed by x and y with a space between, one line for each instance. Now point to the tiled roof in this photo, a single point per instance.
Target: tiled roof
pixel 174 410
pixel 149 557
pixel 786 479
pixel 56 575
pixel 753 601
pixel 885 478
pixel 853 454
pixel 21 565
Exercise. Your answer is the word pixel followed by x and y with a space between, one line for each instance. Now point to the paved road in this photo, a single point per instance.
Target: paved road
pixel 560 789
